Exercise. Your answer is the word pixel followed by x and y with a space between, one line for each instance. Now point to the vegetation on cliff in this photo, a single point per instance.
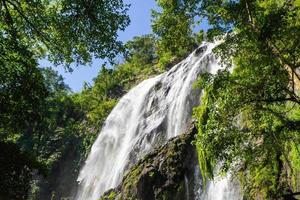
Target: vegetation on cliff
pixel 248 122
pixel 40 116
pixel 61 127
pixel 249 118
pixel 161 174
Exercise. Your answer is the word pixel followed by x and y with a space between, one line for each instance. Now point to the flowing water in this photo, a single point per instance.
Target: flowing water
pixel 222 189
pixel 147 116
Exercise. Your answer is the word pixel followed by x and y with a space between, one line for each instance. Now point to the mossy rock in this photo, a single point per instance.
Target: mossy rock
pixel 161 173
pixel 109 195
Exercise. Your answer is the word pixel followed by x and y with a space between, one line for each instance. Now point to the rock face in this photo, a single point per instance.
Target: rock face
pixel 166 173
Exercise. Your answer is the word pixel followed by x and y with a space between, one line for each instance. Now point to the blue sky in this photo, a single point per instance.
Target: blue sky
pixel 140 16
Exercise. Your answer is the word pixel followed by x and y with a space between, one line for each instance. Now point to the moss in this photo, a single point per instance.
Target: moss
pixel 160 174
pixel 151 174
pixel 112 195
pixel 130 180
pixel 173 193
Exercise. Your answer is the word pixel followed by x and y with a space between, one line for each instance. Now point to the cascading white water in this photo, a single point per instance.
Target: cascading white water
pixel 222 189
pixel 147 116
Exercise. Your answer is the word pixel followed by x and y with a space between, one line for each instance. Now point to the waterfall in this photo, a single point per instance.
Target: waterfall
pixel 146 117
pixel 222 189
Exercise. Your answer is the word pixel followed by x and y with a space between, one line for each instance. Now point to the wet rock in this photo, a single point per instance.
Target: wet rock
pixel 161 174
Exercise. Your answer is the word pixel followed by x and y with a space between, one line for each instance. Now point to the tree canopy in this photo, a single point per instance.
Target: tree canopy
pixel 63 125
pixel 248 121
pixel 39 117
pixel 22 89
pixel 173 25
pixel 65 31
pixel 249 118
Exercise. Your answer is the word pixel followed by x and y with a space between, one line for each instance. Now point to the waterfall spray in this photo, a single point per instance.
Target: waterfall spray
pixel 147 116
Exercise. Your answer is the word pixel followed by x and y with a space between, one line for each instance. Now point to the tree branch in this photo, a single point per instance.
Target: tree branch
pixel 28 21
pixel 271 45
pixel 273 100
pixel 10 21
pixel 44 40
pixel 290 196
pixel 249 12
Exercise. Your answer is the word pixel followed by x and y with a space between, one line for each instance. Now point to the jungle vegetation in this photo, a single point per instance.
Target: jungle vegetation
pixel 248 121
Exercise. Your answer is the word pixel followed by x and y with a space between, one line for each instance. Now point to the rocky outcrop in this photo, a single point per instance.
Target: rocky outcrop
pixel 166 173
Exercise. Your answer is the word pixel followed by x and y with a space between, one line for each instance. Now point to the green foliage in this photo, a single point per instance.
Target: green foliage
pixel 22 89
pixel 294 154
pixel 38 113
pixel 173 26
pixel 112 83
pixel 140 61
pixel 15 165
pixel 142 49
pixel 112 195
pixel 246 121
pixel 48 136
pixel 261 181
pixel 54 82
pixel 66 31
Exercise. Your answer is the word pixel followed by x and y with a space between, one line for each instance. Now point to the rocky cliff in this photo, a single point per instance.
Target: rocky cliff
pixel 166 173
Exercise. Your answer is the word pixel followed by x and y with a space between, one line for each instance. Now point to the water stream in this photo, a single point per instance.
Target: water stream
pixel 147 116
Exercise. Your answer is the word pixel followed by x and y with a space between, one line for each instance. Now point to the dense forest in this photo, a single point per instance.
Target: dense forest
pixel 248 122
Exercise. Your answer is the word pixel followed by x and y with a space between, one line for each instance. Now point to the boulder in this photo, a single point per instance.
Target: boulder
pixel 165 173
